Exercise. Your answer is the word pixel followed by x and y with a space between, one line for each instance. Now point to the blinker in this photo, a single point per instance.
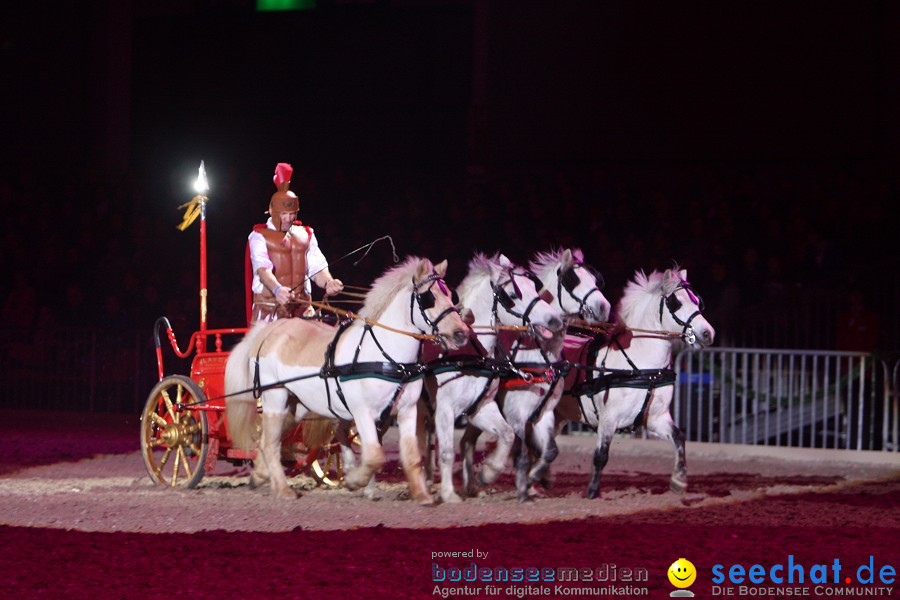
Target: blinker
pixel 427 299
pixel 569 278
pixel 538 284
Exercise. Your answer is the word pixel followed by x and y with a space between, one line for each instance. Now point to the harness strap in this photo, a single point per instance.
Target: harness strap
pixel 540 407
pixel 623 378
pixel 328 364
pixel 641 419
pixel 625 354
pixel 596 411
pixel 474 406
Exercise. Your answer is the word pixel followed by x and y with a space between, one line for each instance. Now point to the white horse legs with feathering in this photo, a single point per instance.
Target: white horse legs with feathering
pixel 496 292
pixel 529 407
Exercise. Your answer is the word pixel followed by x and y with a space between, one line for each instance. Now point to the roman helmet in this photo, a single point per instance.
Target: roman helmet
pixel 284 200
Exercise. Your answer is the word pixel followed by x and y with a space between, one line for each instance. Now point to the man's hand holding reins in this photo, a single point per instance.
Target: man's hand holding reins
pixel 333 286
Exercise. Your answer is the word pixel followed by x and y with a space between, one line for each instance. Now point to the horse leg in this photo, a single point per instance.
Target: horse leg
pixel 679 481
pixel 426 429
pixel 342 435
pixel 259 476
pixel 601 457
pixel 664 427
pixel 372 454
pixel 270 448
pixel 443 421
pixel 411 458
pixel 467 451
pixel 490 419
pixel 523 462
pixel 544 443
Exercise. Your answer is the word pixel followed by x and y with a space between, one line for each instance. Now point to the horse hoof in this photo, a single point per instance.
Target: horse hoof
pixel 487 476
pixel 593 494
pixel 354 481
pixel 678 486
pixel 525 499
pixel 545 482
pixel 453 498
pixel 537 475
pixel 287 494
pixel 424 500
pixel 534 491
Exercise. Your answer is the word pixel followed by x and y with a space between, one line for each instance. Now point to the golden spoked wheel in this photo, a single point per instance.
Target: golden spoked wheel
pixel 174 442
pixel 328 466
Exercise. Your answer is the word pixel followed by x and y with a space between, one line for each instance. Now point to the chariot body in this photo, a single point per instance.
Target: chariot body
pixel 184 428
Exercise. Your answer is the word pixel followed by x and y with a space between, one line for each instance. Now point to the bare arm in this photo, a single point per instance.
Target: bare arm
pixel 282 293
pixel 325 280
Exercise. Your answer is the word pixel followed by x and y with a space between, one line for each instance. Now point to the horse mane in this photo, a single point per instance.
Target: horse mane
pixel 544 261
pixel 642 289
pixel 479 268
pixel 387 286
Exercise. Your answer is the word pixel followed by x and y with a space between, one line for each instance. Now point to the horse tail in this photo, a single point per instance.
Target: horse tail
pixel 240 405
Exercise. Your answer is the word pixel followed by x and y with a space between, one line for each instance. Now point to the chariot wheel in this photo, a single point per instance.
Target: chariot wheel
pixel 174 441
pixel 327 466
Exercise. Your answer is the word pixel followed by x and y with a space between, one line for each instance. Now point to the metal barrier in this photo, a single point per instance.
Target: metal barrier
pixel 891 430
pixel 799 398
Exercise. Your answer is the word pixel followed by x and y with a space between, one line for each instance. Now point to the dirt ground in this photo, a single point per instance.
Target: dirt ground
pixel 78 514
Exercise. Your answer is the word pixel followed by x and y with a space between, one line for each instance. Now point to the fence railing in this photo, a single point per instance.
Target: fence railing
pixel 803 398
pixel 798 398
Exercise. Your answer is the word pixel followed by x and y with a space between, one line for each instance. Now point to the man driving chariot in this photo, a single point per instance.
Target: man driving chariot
pixel 284 256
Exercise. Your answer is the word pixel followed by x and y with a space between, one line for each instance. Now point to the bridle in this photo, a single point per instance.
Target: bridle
pixel 426 300
pixel 502 297
pixel 673 304
pixel 567 279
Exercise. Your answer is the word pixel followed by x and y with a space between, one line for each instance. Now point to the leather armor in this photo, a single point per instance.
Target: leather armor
pixel 288 256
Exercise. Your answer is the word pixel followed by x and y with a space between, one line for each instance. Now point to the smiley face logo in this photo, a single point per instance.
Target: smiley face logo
pixel 682 573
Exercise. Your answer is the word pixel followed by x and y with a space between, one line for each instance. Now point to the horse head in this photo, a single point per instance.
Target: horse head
pixel 437 313
pixel 577 285
pixel 519 298
pixel 680 307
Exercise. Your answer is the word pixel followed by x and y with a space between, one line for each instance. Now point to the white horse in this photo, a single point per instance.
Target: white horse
pixel 495 292
pixel 359 372
pixel 528 406
pixel 633 383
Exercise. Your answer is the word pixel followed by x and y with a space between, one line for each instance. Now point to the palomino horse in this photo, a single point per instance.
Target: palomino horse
pixel 528 407
pixel 356 372
pixel 496 293
pixel 632 384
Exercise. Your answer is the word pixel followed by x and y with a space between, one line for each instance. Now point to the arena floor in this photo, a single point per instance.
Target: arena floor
pixel 79 516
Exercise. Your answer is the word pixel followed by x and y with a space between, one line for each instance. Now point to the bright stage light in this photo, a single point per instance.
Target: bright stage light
pixel 201 185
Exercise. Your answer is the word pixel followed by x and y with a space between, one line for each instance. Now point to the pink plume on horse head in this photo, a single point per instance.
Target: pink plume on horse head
pixel 282 179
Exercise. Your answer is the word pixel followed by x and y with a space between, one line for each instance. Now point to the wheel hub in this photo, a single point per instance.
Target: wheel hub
pixel 175 434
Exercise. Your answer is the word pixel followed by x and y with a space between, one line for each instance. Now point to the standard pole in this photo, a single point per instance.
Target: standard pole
pixel 201 341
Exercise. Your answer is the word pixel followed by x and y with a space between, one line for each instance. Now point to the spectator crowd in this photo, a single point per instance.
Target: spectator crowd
pixel 88 252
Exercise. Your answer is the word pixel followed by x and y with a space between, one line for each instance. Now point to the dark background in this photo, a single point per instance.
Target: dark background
pixel 755 143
